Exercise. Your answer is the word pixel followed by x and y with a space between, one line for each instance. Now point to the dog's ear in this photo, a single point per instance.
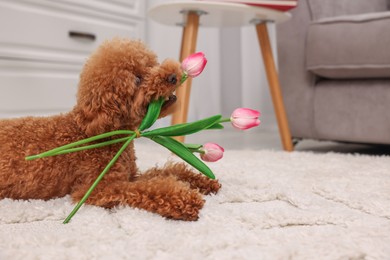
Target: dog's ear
pixel 98 114
pixel 103 105
pixel 110 85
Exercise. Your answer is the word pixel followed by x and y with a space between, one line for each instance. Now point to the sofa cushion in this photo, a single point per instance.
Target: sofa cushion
pixel 354 46
pixel 352 110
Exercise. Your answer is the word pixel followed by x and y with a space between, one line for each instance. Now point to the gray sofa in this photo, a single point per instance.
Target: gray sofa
pixel 334 69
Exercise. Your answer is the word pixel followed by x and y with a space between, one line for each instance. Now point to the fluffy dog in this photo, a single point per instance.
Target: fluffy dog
pixel 116 86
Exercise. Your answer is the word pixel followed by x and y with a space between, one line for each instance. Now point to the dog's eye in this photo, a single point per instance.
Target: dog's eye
pixel 138 80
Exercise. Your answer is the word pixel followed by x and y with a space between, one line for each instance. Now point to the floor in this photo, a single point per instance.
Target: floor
pixel 265 139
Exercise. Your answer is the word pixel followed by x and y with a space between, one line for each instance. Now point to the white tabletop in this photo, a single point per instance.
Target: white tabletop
pixel 214 13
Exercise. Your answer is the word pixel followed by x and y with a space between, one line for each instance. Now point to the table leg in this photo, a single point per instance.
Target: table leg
pixel 188 46
pixel 274 85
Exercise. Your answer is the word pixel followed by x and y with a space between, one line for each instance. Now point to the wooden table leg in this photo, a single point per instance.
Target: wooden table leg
pixel 274 85
pixel 188 46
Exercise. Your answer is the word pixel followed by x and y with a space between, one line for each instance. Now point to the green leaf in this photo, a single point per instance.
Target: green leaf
pixel 79 143
pixel 180 150
pixel 194 148
pixel 184 129
pixel 151 116
pixel 92 146
pixel 216 126
pixel 99 178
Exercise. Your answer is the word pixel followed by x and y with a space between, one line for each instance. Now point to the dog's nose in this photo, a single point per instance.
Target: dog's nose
pixel 172 79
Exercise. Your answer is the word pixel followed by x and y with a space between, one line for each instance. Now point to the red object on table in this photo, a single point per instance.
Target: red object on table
pixel 280 5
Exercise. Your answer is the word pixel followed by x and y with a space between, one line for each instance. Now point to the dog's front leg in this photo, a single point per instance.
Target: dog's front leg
pixel 163 195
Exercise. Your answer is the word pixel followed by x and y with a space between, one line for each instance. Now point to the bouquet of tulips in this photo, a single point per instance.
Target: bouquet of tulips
pixel 241 118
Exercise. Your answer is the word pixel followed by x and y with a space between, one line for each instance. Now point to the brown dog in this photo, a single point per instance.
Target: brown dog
pixel 116 86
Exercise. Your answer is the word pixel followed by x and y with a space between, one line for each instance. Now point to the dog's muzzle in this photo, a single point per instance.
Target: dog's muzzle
pixel 170 101
pixel 172 79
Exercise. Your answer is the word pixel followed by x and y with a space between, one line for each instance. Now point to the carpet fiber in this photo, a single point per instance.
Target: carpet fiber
pixel 273 205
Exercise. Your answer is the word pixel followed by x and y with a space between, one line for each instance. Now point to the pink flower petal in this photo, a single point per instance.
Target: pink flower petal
pixel 245 118
pixel 194 64
pixel 245 123
pixel 246 112
pixel 212 152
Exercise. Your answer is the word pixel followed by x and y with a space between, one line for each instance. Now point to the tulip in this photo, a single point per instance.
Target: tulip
pixel 193 65
pixel 245 118
pixel 211 152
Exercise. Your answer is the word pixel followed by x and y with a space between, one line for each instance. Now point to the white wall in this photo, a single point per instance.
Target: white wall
pixel 234 75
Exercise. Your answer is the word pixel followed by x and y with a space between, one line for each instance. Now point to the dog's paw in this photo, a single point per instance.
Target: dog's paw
pixel 207 186
pixel 185 207
pixel 201 183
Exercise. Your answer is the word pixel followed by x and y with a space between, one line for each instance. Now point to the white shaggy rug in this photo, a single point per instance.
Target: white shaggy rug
pixel 273 205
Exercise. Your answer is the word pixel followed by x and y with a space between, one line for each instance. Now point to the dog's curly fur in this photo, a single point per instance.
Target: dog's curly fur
pixel 116 86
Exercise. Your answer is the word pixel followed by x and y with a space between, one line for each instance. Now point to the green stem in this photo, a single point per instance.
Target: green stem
pixel 197 151
pixel 98 179
pixel 224 120
pixel 194 148
pixel 183 78
pixel 78 143
pixel 92 146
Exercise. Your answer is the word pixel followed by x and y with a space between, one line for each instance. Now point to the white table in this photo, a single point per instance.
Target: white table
pixel 218 14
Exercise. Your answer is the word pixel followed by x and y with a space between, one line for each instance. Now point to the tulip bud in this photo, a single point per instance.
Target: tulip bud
pixel 194 64
pixel 211 152
pixel 245 118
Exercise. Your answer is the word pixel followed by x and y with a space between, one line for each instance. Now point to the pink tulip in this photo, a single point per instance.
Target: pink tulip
pixel 194 64
pixel 245 118
pixel 212 152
